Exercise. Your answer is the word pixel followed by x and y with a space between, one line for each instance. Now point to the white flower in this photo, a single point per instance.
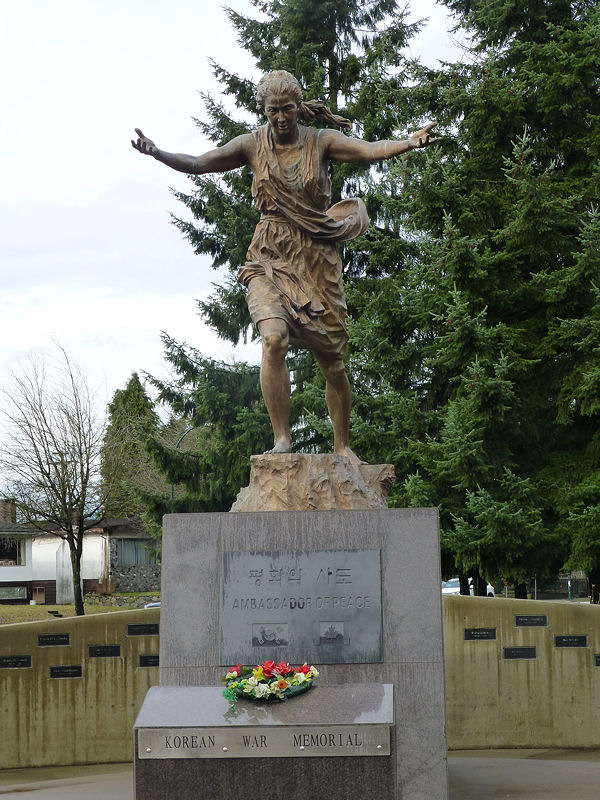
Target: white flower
pixel 300 677
pixel 250 684
pixel 314 671
pixel 262 690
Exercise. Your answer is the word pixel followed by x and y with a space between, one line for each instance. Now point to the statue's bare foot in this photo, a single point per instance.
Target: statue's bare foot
pixel 280 446
pixel 350 454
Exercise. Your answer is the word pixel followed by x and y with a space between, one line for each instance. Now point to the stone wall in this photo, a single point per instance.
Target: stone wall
pixel 141 578
pixel 138 578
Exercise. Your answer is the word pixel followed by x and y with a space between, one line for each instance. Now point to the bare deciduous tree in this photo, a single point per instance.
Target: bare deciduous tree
pixel 50 451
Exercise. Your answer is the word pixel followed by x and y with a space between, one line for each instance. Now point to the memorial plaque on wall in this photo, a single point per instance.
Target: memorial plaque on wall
pixel 66 671
pixel 104 650
pixel 150 660
pixel 15 662
pixel 515 653
pixel 54 639
pixel 320 606
pixel 477 634
pixel 597 660
pixel 531 620
pixel 142 629
pixel 570 641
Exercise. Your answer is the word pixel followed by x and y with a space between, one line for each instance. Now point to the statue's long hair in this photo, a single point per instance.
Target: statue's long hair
pixel 281 82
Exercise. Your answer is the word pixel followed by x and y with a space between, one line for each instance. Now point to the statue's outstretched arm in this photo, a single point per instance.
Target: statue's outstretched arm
pixel 229 156
pixel 343 148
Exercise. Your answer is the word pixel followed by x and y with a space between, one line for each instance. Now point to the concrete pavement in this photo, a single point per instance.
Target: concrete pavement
pixel 475 774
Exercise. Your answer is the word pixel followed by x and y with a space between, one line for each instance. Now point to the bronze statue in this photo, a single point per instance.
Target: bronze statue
pixel 293 271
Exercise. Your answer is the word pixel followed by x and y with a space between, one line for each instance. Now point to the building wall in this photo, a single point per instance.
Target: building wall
pixel 19 574
pixel 491 701
pixel 45 547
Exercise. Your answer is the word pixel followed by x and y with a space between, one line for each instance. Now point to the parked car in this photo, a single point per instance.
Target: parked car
pixel 453 587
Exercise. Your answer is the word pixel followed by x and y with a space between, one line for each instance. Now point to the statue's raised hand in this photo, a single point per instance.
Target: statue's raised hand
pixel 422 138
pixel 143 144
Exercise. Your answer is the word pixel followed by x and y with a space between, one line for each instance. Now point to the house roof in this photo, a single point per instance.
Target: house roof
pixel 16 528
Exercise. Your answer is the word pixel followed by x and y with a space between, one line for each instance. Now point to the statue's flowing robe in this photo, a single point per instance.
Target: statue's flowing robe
pixel 293 270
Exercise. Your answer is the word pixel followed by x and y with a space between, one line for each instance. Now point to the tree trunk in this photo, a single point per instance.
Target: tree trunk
pixel 464 584
pixel 520 591
pixel 480 587
pixel 76 567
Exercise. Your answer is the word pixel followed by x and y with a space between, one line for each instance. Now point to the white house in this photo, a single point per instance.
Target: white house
pixel 36 566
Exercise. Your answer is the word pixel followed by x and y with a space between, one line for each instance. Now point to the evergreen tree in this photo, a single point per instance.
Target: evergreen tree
pixel 223 407
pixel 126 464
pixel 490 362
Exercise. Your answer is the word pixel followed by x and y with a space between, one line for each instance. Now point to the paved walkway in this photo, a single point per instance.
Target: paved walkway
pixel 476 774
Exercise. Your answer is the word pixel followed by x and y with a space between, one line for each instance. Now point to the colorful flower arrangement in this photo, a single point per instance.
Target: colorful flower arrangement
pixel 268 681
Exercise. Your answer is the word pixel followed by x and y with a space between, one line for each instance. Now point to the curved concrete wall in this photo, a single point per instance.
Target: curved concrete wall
pixel 525 687
pixel 86 716
pixel 492 701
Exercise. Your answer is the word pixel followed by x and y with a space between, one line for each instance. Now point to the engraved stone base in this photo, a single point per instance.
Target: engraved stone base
pixel 334 742
pixel 306 578
pixel 301 482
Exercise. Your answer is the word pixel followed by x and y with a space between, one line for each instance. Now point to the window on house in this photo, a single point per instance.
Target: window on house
pixel 134 552
pixel 12 551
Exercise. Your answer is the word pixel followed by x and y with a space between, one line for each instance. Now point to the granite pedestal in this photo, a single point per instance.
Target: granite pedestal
pixel 184 737
pixel 196 551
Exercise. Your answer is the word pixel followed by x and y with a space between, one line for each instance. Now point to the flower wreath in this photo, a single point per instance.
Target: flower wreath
pixel 268 681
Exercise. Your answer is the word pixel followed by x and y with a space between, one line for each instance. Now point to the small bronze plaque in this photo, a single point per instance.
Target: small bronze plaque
pixel 143 629
pixel 570 641
pixel 515 653
pixel 104 650
pixel 149 660
pixel 477 634
pixel 531 620
pixel 54 639
pixel 15 662
pixel 66 671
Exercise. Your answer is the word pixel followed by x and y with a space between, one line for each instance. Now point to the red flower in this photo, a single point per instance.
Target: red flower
pixel 283 668
pixel 236 670
pixel 304 668
pixel 268 668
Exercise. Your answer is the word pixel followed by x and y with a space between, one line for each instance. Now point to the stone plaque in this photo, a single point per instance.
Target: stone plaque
pixel 476 634
pixel 54 639
pixel 15 662
pixel 515 653
pixel 104 650
pixel 570 641
pixel 143 629
pixel 319 606
pixel 597 660
pixel 151 660
pixel 66 671
pixel 265 742
pixel 531 620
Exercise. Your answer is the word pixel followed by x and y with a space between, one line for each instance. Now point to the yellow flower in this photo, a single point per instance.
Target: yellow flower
pixel 258 673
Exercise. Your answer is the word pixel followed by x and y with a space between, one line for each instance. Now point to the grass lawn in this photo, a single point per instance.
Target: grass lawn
pixel 27 613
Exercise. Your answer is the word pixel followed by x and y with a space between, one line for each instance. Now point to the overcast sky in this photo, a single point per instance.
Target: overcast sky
pixel 87 251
